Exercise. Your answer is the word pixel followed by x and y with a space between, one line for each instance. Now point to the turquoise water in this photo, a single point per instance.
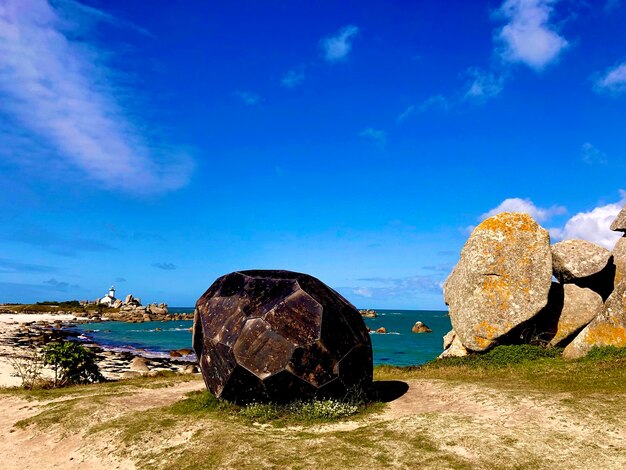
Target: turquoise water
pixel 398 347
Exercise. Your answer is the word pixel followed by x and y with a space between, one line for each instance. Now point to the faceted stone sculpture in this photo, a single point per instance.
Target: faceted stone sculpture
pixel 279 336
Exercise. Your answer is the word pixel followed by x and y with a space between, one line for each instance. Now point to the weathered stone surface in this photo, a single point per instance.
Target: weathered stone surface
pixel 619 224
pixel 455 348
pixel 117 303
pixel 576 259
pixel 448 338
pixel 420 327
pixel 608 328
pixel 279 336
pixel 502 279
pixel 580 307
pixel 139 364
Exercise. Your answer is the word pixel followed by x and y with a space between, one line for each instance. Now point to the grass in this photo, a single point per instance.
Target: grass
pixel 200 432
pixel 603 370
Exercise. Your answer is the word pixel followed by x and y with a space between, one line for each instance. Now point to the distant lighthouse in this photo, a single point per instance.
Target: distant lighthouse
pixel 112 292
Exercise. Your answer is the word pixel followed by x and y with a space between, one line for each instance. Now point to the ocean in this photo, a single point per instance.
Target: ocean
pixel 398 347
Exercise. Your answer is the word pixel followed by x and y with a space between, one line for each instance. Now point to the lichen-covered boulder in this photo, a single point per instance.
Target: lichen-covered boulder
pixel 576 259
pixel 580 307
pixel 619 224
pixel 608 328
pixel 502 279
pixel 279 336
pixel 584 264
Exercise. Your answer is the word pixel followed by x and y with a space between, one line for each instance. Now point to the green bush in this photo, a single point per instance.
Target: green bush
pixel 502 356
pixel 72 363
pixel 606 353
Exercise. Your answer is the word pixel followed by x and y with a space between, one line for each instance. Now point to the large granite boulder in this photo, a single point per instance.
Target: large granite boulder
pixel 580 307
pixel 608 328
pixel 279 336
pixel 584 264
pixel 619 224
pixel 452 346
pixel 502 279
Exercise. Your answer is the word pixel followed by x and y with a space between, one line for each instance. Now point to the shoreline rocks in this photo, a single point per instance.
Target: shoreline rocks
pixel 420 327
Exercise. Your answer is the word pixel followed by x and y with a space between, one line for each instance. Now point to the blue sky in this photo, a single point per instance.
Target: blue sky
pixel 157 146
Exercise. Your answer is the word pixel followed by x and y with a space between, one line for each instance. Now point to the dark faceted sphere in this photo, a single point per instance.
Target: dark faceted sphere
pixel 279 336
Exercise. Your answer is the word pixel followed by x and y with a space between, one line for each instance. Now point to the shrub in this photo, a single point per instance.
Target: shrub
pixel 72 363
pixel 300 411
pixel 28 368
pixel 502 356
pixel 606 353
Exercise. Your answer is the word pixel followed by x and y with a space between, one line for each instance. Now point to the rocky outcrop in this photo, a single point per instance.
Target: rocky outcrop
pixel 619 224
pixel 139 364
pixel 502 279
pixel 369 313
pixel 452 346
pixel 279 336
pixel 609 327
pixel 580 307
pixel 584 264
pixel 420 327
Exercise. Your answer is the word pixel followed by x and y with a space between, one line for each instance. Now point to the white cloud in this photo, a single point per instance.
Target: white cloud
pixel 435 101
pixel 483 85
pixel 292 78
pixel 529 37
pixel 404 115
pixel 56 89
pixel 591 155
pixel 338 46
pixel 515 204
pixel 613 81
pixel 377 135
pixel 594 225
pixel 247 97
pixel 385 288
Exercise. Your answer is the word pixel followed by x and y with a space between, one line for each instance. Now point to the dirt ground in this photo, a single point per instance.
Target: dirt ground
pixel 471 425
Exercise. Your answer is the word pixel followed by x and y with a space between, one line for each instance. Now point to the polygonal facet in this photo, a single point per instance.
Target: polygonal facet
pixel 279 336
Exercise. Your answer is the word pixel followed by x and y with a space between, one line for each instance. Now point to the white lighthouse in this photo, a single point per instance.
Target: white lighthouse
pixel 109 298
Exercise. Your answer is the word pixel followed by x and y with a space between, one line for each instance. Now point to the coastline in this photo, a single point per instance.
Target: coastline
pixel 23 333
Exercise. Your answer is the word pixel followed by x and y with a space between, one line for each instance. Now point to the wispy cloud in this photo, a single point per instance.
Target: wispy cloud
pixel 56 88
pixel 529 37
pixel 53 242
pixel 611 5
pixel 61 286
pixel 593 225
pixel 483 85
pixel 8 266
pixel 612 81
pixel 337 47
pixel 247 97
pixel 120 279
pixel 376 135
pixel 293 78
pixel 165 266
pixel 591 155
pixel 382 288
pixel 516 204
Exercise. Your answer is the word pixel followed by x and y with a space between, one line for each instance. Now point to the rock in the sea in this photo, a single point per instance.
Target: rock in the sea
pixel 382 330
pixel 619 224
pixel 502 279
pixel 420 327
pixel 368 313
pixel 129 299
pixel 175 354
pixel 608 328
pixel 580 307
pixel 279 336
pixel 452 346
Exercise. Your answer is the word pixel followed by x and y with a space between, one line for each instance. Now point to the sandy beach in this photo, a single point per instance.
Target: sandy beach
pixel 10 324
pixel 17 328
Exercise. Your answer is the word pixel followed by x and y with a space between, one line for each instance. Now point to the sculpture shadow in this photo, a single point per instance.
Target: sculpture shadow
pixel 387 390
